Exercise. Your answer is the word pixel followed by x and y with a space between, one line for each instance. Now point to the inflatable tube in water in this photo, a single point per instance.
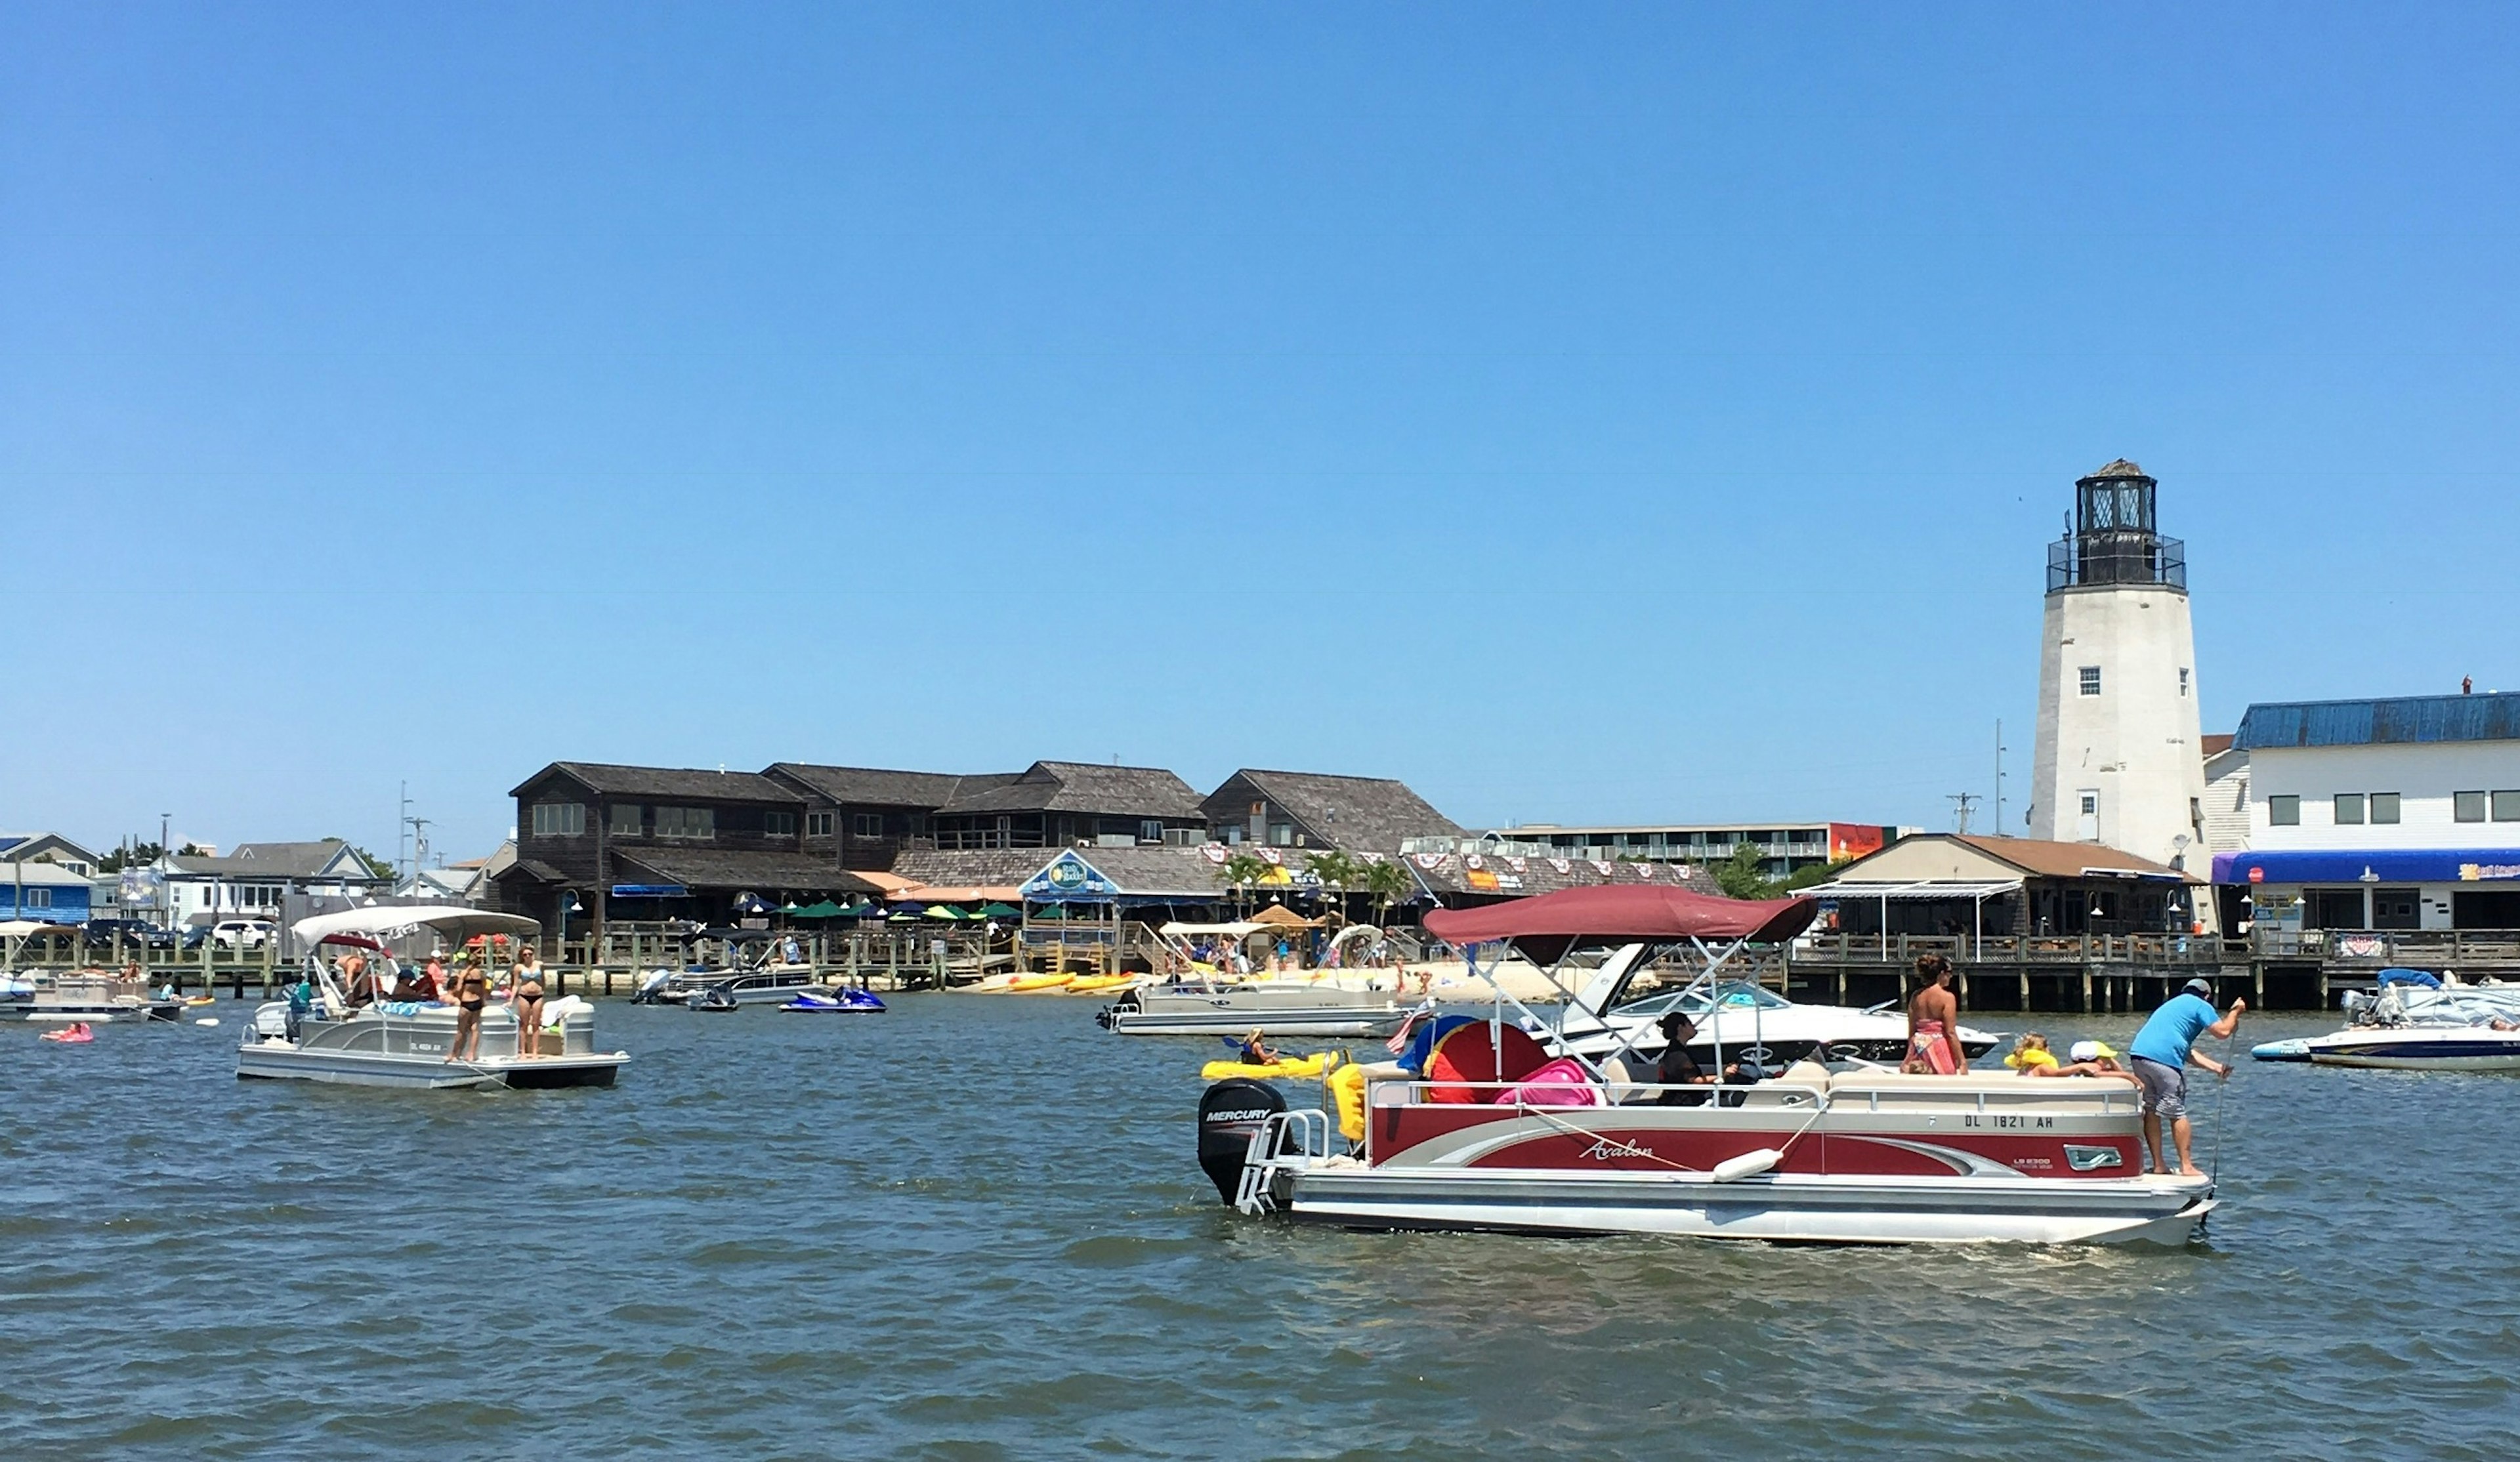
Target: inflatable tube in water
pixel 1284 1066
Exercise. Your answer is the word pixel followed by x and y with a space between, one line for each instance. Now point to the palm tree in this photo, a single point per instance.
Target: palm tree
pixel 1337 873
pixel 1242 872
pixel 1388 881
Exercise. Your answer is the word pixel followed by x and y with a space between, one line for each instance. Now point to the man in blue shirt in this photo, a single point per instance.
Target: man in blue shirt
pixel 2163 1051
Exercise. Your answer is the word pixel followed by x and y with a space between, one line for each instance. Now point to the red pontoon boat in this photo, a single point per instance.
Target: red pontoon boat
pixel 1488 1131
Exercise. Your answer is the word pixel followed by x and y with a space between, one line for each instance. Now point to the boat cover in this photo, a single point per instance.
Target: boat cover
pixel 2423 977
pixel 1625 911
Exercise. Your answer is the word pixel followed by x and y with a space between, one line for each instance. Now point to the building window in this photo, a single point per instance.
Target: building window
pixel 2507 806
pixel 623 820
pixel 866 824
pixel 2349 809
pixel 2086 825
pixel 2183 683
pixel 39 898
pixel 687 822
pixel 1151 830
pixel 818 825
pixel 560 819
pixel 1281 835
pixel 2091 680
pixel 779 824
pixel 2283 812
pixel 2384 807
pixel 2468 807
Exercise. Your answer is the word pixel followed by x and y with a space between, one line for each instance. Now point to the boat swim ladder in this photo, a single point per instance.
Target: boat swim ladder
pixel 1287 1143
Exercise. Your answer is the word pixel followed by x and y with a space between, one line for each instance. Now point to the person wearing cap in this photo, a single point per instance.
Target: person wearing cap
pixel 2163 1050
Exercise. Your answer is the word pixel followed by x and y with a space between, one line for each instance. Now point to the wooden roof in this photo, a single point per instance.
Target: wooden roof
pixel 1085 788
pixel 1357 813
pixel 610 779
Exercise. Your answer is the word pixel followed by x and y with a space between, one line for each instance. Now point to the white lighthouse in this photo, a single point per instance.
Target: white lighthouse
pixel 2118 758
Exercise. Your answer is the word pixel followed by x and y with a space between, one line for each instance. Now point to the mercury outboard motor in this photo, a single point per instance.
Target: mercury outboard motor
pixel 1227 1114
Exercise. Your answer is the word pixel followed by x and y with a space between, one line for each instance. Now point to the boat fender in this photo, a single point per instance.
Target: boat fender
pixel 208 1020
pixel 1347 1085
pixel 1228 1112
pixel 1747 1165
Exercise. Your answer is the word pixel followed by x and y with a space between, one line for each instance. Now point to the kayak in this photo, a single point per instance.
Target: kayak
pixel 1026 983
pixel 1284 1066
pixel 1088 984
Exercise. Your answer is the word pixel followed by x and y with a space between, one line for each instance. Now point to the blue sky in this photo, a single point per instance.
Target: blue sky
pixel 1583 413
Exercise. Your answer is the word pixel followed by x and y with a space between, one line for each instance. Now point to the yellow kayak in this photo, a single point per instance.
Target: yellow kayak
pixel 1284 1066
pixel 1026 983
pixel 1087 984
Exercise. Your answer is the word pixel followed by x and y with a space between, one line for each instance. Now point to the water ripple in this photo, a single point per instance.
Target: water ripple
pixel 973 1229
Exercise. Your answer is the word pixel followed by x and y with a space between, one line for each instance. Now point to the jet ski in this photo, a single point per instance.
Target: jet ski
pixel 845 1000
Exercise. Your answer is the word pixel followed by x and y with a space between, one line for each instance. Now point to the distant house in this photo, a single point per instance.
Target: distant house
pixel 864 818
pixel 47 847
pixel 1316 809
pixel 631 843
pixel 1942 883
pixel 252 881
pixel 46 892
pixel 1072 804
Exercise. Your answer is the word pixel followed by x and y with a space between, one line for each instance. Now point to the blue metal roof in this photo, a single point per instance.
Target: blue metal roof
pixel 2384 865
pixel 2370 723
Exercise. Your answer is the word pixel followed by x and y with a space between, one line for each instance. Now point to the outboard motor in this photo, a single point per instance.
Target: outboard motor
pixel 1227 1114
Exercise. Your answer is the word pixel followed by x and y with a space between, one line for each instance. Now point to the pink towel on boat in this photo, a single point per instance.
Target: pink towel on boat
pixel 1562 1083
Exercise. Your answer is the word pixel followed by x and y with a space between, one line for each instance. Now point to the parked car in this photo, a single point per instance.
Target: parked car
pixel 101 934
pixel 231 934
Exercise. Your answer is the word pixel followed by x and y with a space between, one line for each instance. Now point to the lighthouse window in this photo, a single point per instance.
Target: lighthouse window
pixel 2183 682
pixel 2091 680
pixel 2283 812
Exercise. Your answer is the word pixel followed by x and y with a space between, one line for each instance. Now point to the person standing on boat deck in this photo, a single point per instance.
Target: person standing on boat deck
pixel 525 1000
pixel 472 992
pixel 2163 1050
pixel 1934 1022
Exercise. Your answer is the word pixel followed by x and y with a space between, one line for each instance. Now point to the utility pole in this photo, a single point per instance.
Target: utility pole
pixel 1962 802
pixel 1999 777
pixel 402 824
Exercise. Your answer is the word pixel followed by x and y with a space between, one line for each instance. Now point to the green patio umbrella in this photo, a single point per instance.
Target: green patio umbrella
pixel 825 909
pixel 1000 912
pixel 941 911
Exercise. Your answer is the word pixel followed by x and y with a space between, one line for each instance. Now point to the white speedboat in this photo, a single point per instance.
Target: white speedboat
pixel 1490 1133
pixel 1273 1007
pixel 1619 1010
pixel 90 995
pixel 408 1044
pixel 2417 1025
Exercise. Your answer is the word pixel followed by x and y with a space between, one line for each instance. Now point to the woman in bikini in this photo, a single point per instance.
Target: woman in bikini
pixel 525 999
pixel 1933 1022
pixel 471 992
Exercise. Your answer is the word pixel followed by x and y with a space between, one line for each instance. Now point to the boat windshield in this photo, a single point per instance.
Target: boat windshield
pixel 1647 1003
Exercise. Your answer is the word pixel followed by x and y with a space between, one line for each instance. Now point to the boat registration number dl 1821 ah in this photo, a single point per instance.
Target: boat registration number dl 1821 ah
pixel 1998 1120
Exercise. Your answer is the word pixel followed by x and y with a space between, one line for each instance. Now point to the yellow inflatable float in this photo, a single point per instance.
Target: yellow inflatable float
pixel 1284 1066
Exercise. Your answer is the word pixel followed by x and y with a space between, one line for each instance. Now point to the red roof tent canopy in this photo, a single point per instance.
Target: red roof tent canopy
pixel 1624 912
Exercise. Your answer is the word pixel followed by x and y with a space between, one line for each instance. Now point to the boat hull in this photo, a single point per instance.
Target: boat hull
pixel 1237 1011
pixel 1773 1207
pixel 278 1061
pixel 2404 1048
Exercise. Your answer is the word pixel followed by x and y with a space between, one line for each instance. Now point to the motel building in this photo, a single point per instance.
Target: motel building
pixel 2377 815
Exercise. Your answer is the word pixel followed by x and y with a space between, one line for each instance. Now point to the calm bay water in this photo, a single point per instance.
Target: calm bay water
pixel 974 1228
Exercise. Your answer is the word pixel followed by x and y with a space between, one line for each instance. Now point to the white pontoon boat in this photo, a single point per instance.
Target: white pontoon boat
pixel 406 1044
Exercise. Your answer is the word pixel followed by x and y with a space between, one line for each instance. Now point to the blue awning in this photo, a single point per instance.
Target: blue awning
pixel 2380 865
pixel 650 891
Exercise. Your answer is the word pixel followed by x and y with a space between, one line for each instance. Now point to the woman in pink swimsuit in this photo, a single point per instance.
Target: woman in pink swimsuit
pixel 1933 1021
